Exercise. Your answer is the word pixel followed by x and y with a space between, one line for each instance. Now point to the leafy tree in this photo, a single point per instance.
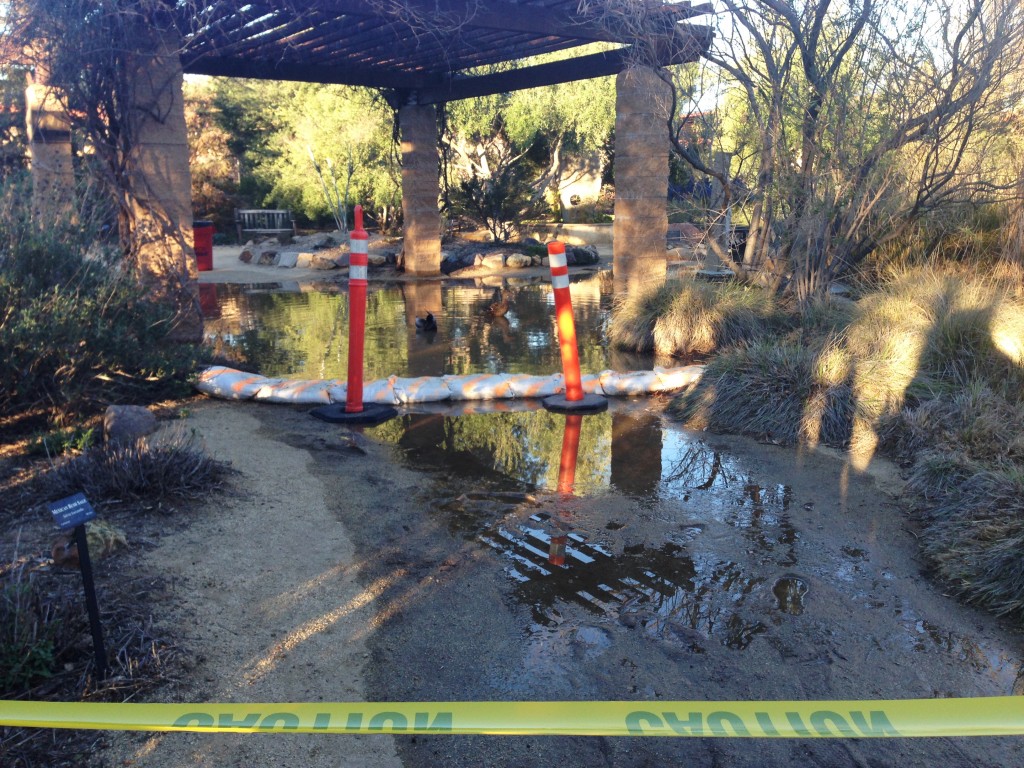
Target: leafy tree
pixel 505 154
pixel 277 127
pixel 215 170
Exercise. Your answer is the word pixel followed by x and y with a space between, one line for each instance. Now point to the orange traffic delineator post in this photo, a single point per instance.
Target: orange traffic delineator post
pixel 355 411
pixel 574 399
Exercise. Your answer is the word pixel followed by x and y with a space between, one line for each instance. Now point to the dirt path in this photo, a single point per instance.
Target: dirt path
pixel 268 596
pixel 345 571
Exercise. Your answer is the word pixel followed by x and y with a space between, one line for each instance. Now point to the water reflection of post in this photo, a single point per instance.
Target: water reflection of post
pixel 566 483
pixel 426 352
pixel 636 453
pixel 425 433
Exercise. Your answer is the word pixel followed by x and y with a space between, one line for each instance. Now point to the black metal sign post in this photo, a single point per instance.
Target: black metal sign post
pixel 70 513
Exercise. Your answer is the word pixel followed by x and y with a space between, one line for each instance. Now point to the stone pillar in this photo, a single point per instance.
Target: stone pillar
pixel 420 189
pixel 641 178
pixel 161 184
pixel 49 151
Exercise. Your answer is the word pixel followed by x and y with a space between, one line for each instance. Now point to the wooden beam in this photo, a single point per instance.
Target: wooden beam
pixel 685 50
pixel 340 75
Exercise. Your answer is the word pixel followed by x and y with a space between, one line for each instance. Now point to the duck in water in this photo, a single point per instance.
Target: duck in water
pixel 426 324
pixel 499 304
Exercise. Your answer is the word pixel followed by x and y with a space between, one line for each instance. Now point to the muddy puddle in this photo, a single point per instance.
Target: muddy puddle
pixel 666 532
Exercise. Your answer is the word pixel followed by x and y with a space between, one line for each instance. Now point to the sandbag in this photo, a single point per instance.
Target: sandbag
pixel 424 389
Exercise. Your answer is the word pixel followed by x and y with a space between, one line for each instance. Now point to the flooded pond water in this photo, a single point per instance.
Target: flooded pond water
pixel 618 529
pixel 302 331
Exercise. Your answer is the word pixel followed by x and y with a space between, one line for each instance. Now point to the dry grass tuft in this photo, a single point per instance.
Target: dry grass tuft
pixel 172 467
pixel 688 317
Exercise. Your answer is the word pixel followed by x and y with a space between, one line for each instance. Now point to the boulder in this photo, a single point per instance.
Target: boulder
pixel 267 258
pixel 494 261
pixel 518 261
pixel 584 254
pixel 125 424
pixel 376 259
pixel 322 262
pixel 452 262
pixel 318 242
pixel 246 255
pixel 287 259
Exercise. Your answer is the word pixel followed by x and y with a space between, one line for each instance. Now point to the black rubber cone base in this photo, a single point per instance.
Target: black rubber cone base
pixel 372 413
pixel 589 404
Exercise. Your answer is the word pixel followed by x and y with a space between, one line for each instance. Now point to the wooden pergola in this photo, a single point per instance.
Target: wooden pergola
pixel 419 53
pixel 433 51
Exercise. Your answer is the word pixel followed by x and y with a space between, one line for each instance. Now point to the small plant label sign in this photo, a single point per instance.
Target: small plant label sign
pixel 72 511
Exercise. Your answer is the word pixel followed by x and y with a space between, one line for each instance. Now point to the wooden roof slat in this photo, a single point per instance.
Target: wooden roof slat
pixel 401 45
pixel 500 15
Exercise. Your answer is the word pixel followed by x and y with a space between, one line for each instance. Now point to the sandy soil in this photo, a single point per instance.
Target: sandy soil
pixel 268 601
pixel 337 572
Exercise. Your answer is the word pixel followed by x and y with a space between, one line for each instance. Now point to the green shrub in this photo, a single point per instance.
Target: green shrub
pixel 498 202
pixel 59 441
pixel 74 328
pixel 30 626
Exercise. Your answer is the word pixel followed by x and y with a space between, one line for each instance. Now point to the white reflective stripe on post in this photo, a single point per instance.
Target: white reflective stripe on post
pixel 559 281
pixel 556 260
pixel 357 272
pixel 358 245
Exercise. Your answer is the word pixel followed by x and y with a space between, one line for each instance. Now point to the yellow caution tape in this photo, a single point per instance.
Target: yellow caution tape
pixel 995 716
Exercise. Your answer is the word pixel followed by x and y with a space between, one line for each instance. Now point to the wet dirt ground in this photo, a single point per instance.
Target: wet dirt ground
pixel 764 574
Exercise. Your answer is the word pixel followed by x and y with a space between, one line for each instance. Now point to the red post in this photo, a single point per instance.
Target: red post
pixel 566 324
pixel 357 265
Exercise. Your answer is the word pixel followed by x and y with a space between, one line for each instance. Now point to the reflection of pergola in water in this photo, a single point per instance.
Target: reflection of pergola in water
pixel 421 53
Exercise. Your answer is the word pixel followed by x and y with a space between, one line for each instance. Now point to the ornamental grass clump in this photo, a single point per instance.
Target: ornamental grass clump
pixel 635 315
pixel 974 537
pixel 786 392
pixel 932 331
pixel 689 317
pixel 172 467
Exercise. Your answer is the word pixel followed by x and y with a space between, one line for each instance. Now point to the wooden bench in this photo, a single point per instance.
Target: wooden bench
pixel 264 222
